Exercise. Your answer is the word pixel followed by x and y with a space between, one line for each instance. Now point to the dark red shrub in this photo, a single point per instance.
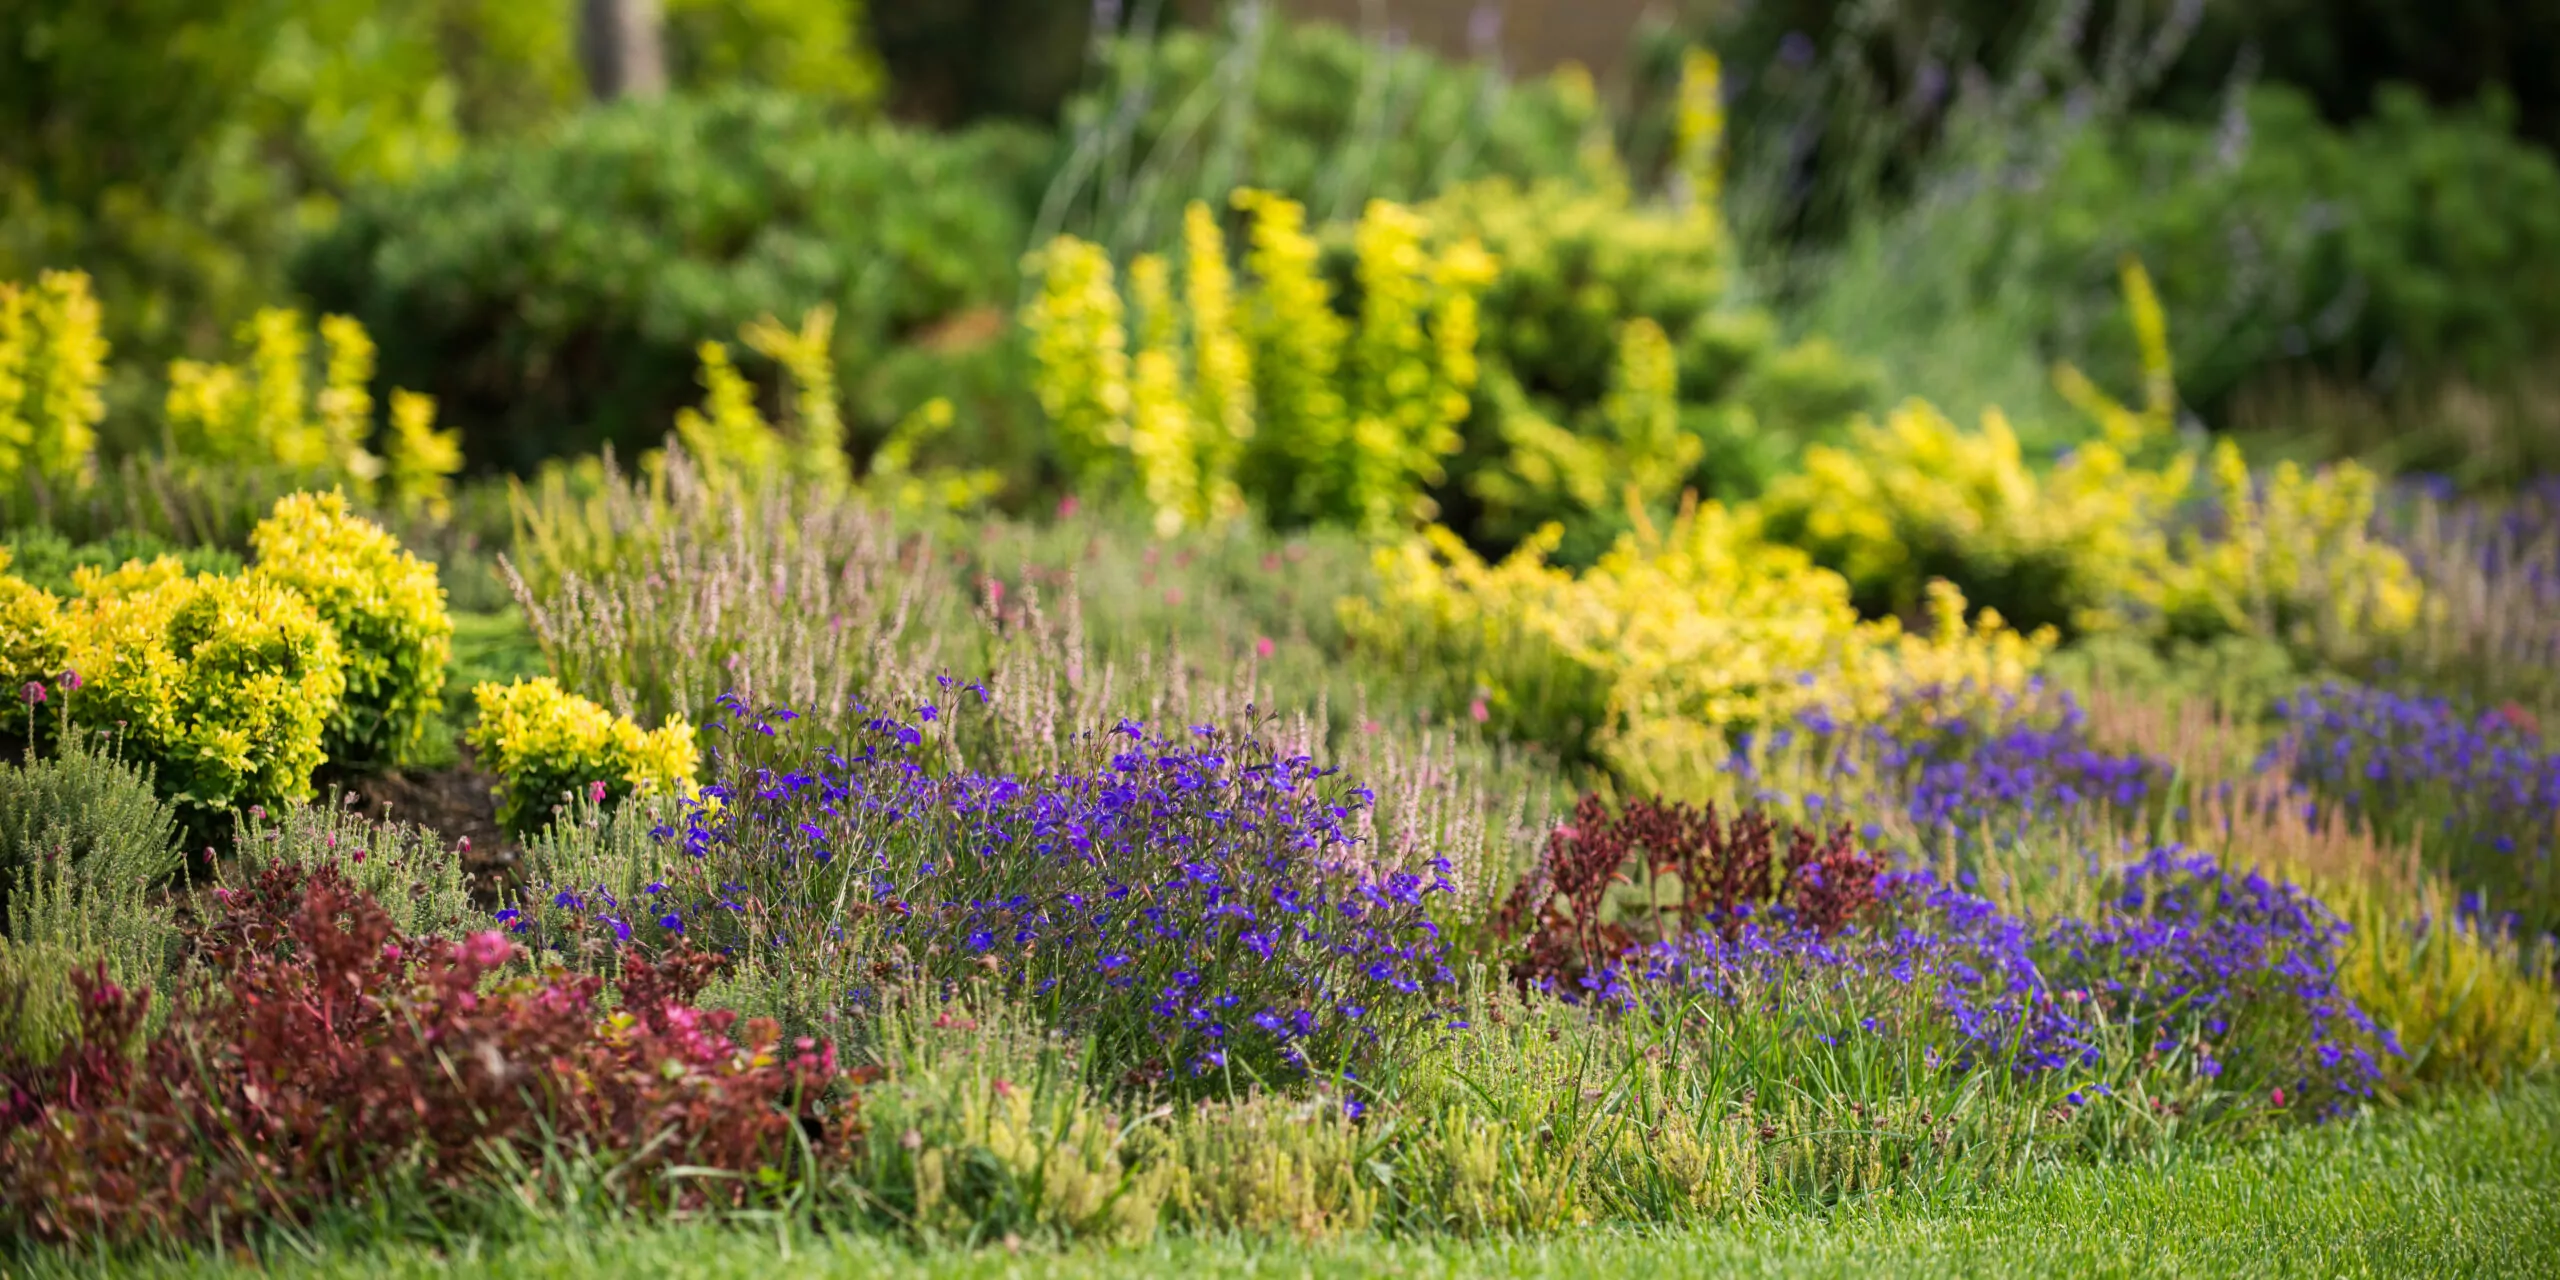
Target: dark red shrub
pixel 328 1054
pixel 1691 871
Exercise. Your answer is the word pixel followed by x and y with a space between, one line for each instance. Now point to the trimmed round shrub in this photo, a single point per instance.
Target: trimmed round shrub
pixel 388 609
pixel 545 744
pixel 223 686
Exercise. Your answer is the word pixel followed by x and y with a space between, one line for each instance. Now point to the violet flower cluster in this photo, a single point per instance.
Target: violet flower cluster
pixel 2189 968
pixel 2481 792
pixel 1199 907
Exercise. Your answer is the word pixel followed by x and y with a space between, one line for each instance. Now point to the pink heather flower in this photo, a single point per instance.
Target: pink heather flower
pixel 2277 1097
pixel 1478 712
pixel 33 693
pixel 595 792
pixel 1262 646
pixel 71 681
pixel 1067 507
pixel 487 949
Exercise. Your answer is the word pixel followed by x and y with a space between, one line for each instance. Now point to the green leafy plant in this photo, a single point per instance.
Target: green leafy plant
pixel 551 292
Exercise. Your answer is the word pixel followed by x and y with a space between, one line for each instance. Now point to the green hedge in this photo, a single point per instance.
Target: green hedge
pixel 550 293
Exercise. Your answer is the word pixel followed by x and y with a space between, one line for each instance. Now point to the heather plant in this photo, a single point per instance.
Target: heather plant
pixel 2490 631
pixel 333 1056
pixel 1205 910
pixel 388 610
pixel 655 597
pixel 547 745
pixel 85 844
pixel 415 876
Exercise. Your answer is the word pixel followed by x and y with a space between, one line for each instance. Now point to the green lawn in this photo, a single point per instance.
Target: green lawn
pixel 2471 1188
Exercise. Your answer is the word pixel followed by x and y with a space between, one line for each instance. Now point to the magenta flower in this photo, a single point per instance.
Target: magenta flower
pixel 33 693
pixel 71 681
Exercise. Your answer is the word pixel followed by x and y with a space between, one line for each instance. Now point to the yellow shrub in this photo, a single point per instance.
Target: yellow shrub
pixel 223 685
pixel 421 461
pixel 1314 417
pixel 2296 561
pixel 264 411
pixel 727 435
pixel 389 612
pixel 1081 353
pixel 1698 139
pixel 53 362
pixel 1651 658
pixel 1918 497
pixel 544 743
pixel 35 643
pixel 812 420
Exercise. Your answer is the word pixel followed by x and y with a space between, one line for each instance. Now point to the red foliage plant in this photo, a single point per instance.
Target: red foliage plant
pixel 1720 874
pixel 329 1055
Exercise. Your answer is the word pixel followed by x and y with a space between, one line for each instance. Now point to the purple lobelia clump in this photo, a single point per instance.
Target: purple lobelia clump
pixel 1960 772
pixel 2480 793
pixel 2225 981
pixel 1201 908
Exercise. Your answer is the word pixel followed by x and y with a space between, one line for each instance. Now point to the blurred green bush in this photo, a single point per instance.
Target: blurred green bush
pixel 1309 111
pixel 550 293
pixel 2419 240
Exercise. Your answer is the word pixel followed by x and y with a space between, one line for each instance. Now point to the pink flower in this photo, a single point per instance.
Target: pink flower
pixel 995 594
pixel 71 680
pixel 595 793
pixel 2277 1096
pixel 391 951
pixel 33 693
pixel 1478 712
pixel 1262 646
pixel 488 949
pixel 1067 507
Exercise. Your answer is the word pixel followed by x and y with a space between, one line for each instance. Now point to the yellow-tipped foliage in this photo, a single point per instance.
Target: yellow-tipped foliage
pixel 1698 138
pixel 1671 641
pixel 547 745
pixel 813 420
pixel 727 435
pixel 1312 416
pixel 1082 352
pixel 53 361
pixel 421 460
